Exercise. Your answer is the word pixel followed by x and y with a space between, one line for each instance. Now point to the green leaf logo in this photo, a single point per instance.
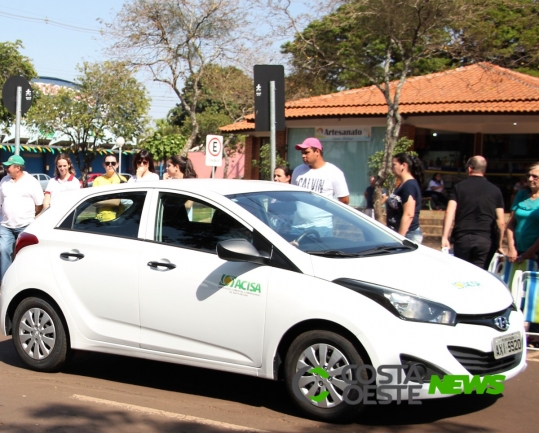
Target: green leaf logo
pixel 324 374
pixel 320 372
pixel 318 398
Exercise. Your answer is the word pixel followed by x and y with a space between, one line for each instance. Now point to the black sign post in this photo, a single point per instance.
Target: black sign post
pixel 263 74
pixel 17 98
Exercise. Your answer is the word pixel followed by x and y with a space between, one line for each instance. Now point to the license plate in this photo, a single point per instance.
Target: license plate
pixel 507 345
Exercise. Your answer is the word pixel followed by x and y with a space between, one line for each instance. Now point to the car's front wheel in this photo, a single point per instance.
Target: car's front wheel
pixel 315 374
pixel 39 335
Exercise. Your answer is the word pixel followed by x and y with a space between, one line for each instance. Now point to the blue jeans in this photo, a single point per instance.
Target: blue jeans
pixel 8 237
pixel 415 235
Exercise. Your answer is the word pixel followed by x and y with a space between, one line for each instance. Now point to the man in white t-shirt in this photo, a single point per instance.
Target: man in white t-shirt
pixel 21 198
pixel 322 177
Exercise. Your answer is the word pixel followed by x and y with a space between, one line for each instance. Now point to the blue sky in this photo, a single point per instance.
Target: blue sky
pixel 70 38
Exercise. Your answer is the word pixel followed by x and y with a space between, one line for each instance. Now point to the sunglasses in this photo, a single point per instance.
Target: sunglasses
pixel 142 161
pixel 110 163
pixel 533 176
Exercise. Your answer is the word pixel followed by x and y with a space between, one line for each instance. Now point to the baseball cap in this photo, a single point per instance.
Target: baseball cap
pixel 310 142
pixel 14 159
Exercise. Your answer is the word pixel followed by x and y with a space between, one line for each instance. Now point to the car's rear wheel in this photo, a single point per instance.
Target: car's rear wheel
pixel 39 335
pixel 320 393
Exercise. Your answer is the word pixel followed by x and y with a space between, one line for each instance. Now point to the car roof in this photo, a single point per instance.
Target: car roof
pixel 222 186
pixel 204 187
pixel 201 186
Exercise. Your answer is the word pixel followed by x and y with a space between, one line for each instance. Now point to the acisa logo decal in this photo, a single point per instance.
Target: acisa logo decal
pixel 236 283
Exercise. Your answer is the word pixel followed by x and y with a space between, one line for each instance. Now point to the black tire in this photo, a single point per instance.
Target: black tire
pixel 39 335
pixel 330 409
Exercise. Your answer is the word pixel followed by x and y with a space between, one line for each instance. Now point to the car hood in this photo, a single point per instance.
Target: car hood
pixel 427 273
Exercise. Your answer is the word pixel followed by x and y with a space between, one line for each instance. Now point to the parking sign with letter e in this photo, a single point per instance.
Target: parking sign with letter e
pixel 214 150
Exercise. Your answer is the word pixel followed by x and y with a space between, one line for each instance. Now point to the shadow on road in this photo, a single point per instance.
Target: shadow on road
pixel 249 391
pixel 67 418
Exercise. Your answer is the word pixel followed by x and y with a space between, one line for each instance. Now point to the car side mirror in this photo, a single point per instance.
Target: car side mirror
pixel 241 250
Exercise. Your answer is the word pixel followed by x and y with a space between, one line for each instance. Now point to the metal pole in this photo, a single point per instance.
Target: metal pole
pixel 119 159
pixel 213 171
pixel 18 121
pixel 273 147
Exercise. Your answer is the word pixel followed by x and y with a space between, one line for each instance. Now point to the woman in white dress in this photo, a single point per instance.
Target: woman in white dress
pixel 64 179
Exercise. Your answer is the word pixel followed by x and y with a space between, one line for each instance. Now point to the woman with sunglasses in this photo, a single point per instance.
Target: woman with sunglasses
pixel 523 229
pixel 143 167
pixel 110 177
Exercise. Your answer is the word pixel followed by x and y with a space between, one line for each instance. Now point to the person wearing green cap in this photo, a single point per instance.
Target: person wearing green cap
pixel 21 198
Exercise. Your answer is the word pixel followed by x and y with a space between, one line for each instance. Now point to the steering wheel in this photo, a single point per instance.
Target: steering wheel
pixel 309 232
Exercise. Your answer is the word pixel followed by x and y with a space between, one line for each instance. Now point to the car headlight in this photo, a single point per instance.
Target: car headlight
pixel 402 304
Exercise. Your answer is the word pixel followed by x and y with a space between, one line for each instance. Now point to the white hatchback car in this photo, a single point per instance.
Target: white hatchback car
pixel 257 278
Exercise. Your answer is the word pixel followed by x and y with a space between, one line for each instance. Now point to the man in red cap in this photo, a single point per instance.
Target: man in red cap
pixel 322 177
pixel 318 175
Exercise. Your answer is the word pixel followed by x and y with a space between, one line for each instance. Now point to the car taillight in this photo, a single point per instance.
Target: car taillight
pixel 24 240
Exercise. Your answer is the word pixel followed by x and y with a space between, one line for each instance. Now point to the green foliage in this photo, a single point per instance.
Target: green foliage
pixel 350 47
pixel 12 62
pixel 375 161
pixel 177 42
pixel 164 146
pixel 225 94
pixel 108 102
pixel 503 32
pixel 264 164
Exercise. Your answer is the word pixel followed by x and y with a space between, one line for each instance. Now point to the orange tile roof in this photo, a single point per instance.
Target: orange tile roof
pixel 479 88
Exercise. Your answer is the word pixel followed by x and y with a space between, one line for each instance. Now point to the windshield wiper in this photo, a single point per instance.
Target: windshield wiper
pixel 332 253
pixel 382 249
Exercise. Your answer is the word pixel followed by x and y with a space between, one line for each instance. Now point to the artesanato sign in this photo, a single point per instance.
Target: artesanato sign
pixel 354 133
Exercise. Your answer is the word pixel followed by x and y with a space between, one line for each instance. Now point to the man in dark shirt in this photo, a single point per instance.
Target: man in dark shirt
pixel 476 206
pixel 369 196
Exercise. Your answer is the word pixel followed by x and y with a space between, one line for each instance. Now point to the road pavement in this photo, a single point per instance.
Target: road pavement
pixel 104 393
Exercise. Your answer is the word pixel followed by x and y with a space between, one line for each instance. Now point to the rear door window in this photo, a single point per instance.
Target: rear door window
pixel 116 214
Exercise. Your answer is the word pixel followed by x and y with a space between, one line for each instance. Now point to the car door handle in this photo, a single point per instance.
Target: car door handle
pixel 166 265
pixel 68 255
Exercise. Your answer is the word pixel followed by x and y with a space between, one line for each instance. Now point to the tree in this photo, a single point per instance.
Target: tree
pixel 503 32
pixel 165 142
pixel 108 102
pixel 177 40
pixel 264 163
pixel 225 96
pixel 12 62
pixel 380 42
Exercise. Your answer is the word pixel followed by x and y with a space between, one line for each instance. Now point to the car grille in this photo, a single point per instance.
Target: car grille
pixel 481 363
pixel 485 319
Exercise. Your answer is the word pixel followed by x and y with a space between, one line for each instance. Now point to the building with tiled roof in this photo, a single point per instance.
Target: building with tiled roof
pixel 451 115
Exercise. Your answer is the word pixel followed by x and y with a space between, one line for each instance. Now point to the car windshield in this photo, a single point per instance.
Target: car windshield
pixel 318 225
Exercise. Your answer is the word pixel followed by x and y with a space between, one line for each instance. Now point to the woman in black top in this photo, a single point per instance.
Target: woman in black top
pixel 404 204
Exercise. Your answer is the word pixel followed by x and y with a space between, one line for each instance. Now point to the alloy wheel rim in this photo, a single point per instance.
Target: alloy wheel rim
pixel 37 333
pixel 330 384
